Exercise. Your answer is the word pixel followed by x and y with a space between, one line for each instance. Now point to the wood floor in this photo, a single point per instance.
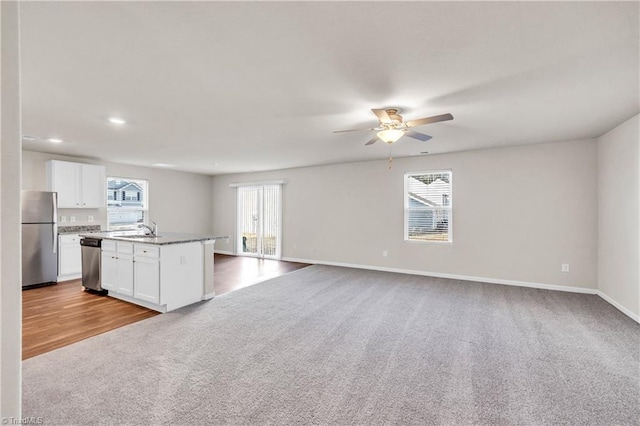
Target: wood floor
pixel 235 272
pixel 63 314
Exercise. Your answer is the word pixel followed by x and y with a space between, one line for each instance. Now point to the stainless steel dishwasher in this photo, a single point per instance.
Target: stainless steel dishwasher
pixel 91 263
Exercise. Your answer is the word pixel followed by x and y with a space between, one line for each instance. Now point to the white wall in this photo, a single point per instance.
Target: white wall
pixel 178 201
pixel 619 216
pixel 518 214
pixel 10 270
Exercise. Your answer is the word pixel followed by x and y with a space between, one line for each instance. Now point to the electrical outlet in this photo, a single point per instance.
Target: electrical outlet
pixel 183 260
pixel 564 267
pixel 89 218
pixel 385 253
pixel 63 219
pixel 72 218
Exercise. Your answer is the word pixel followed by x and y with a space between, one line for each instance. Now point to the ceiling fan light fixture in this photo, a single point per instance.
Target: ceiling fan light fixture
pixel 390 135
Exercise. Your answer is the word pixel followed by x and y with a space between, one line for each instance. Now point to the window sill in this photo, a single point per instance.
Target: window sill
pixel 439 243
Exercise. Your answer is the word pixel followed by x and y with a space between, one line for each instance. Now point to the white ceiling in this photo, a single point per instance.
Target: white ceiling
pixel 221 87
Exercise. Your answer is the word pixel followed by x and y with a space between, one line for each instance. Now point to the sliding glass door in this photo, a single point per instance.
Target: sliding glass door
pixel 258 221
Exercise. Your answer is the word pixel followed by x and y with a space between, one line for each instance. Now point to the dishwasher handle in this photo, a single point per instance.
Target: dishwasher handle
pixel 91 242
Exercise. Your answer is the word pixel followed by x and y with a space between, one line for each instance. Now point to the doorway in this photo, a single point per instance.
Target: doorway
pixel 259 221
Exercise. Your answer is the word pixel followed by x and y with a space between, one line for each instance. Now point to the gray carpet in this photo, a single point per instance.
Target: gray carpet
pixel 327 345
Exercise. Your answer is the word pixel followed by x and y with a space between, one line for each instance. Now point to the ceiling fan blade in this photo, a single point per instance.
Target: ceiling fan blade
pixel 382 115
pixel 372 141
pixel 352 130
pixel 420 136
pixel 429 120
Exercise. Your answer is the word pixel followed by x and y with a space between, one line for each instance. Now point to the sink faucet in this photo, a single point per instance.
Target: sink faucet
pixel 152 230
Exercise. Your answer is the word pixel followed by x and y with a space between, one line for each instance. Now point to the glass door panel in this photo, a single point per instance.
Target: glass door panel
pixel 259 221
pixel 248 198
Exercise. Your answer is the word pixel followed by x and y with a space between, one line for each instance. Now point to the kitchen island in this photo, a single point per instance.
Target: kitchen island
pixel 161 272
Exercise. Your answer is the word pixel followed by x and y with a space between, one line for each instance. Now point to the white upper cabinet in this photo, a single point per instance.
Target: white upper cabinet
pixel 93 186
pixel 79 186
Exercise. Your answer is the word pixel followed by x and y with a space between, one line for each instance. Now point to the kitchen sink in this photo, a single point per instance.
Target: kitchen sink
pixel 128 235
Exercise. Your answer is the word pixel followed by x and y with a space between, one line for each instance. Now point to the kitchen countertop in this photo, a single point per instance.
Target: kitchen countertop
pixel 77 229
pixel 162 239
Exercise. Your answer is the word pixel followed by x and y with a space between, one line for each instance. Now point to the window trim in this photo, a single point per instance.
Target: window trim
pixel 405 197
pixel 145 208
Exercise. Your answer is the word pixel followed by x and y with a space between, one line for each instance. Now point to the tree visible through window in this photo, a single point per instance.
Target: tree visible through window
pixel 127 202
pixel 428 205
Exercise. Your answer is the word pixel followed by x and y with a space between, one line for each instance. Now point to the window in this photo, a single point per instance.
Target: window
pixel 127 202
pixel 427 206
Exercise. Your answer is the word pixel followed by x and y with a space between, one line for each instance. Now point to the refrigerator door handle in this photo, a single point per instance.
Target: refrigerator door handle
pixel 55 237
pixel 55 222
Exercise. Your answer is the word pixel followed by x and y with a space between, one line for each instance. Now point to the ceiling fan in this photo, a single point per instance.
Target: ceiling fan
pixel 391 126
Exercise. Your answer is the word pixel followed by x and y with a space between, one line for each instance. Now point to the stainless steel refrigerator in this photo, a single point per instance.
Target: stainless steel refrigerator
pixel 39 238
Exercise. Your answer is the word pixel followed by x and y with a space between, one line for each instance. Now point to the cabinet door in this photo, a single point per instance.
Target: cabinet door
pixel 147 279
pixel 124 268
pixel 70 259
pixel 93 186
pixel 109 270
pixel 64 178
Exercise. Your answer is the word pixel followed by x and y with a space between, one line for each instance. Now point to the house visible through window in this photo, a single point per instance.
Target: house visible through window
pixel 428 205
pixel 127 202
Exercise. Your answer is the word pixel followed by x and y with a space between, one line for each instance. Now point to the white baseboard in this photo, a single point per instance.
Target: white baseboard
pixel 152 306
pixel 230 253
pixel 69 277
pixel 554 287
pixel 618 306
pixel 208 296
pixel 584 290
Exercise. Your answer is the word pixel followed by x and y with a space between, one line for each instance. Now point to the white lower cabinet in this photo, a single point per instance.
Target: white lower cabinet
pixel 124 268
pixel 162 278
pixel 117 267
pixel 147 279
pixel 109 270
pixel 69 257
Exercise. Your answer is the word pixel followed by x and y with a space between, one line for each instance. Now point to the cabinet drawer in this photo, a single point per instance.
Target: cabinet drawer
pixel 69 239
pixel 108 245
pixel 125 248
pixel 147 250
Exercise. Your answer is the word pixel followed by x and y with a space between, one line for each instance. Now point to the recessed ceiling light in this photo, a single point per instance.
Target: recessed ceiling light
pixel 163 165
pixel 117 120
pixel 55 140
